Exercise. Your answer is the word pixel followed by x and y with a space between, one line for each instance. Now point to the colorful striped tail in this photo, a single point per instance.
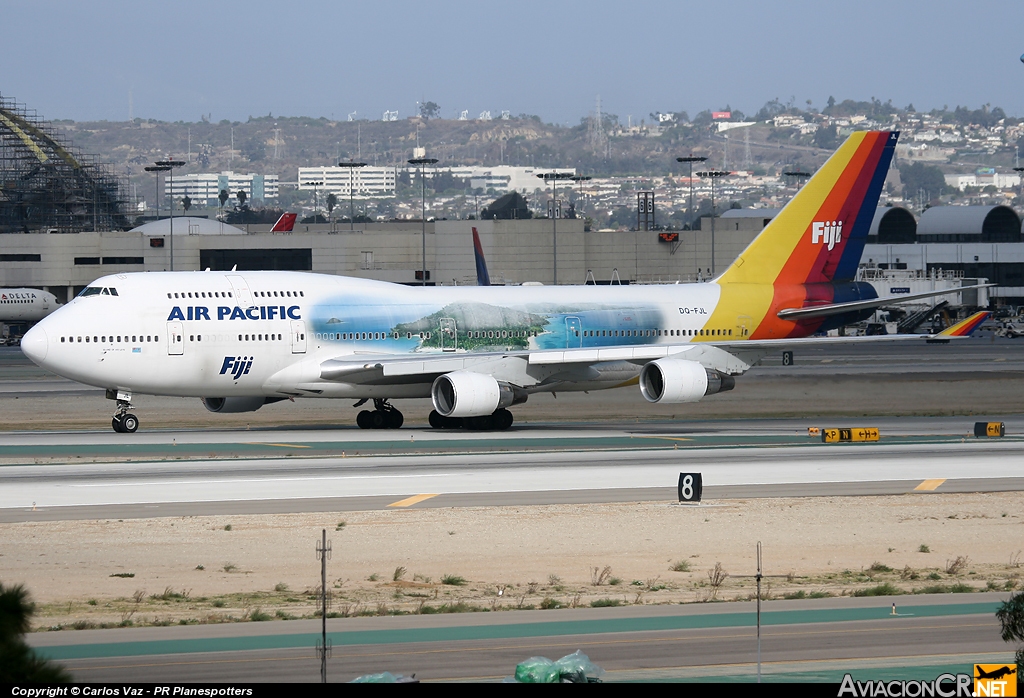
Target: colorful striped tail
pixel 965 328
pixel 820 234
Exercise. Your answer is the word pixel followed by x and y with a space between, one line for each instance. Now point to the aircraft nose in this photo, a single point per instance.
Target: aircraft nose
pixel 34 344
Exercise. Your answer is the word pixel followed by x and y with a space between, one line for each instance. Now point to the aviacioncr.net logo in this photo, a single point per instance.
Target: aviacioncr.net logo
pixel 828 232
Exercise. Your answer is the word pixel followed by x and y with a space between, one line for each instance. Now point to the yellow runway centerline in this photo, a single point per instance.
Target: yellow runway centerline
pixel 929 485
pixel 409 501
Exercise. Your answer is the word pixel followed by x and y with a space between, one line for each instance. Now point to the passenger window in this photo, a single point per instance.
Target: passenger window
pixel 113 291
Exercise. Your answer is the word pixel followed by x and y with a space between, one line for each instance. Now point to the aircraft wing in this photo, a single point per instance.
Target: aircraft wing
pixel 840 308
pixel 732 358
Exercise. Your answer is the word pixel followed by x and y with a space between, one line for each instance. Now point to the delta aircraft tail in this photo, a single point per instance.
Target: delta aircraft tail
pixel 482 277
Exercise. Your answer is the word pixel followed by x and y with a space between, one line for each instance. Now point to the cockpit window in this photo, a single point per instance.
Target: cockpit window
pixel 97 290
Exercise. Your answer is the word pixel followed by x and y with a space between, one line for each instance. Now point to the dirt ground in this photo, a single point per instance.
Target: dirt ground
pixel 228 568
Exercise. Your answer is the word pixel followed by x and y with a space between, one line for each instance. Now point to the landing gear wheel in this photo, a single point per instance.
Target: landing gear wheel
pixel 378 420
pixel 482 423
pixel 501 419
pixel 117 424
pixel 436 420
pixel 363 420
pixel 129 424
pixel 395 419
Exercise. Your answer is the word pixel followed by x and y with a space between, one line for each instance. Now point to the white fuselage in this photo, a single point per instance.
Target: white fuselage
pixel 25 304
pixel 224 334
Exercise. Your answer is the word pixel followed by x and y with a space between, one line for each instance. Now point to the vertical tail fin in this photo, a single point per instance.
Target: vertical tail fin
pixel 482 277
pixel 285 223
pixel 820 234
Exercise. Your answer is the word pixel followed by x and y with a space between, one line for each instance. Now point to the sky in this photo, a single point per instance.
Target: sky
pixel 181 60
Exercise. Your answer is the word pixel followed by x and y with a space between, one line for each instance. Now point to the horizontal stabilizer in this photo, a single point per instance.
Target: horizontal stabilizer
pixel 840 308
pixel 965 328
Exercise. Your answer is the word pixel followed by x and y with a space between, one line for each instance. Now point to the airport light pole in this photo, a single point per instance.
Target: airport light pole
pixel 554 177
pixel 423 162
pixel 316 197
pixel 170 165
pixel 351 207
pixel 712 175
pixel 689 160
pixel 580 179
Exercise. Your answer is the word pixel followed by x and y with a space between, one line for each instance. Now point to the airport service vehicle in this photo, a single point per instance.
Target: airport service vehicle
pixel 240 340
pixel 25 304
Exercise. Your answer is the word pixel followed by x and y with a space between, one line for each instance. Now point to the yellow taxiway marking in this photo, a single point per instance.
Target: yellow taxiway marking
pixel 409 501
pixel 257 443
pixel 930 485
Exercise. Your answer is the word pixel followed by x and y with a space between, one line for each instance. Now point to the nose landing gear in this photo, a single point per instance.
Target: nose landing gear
pixel 123 422
pixel 383 416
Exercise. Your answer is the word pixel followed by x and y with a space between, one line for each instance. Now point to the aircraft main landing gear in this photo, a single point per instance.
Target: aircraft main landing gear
pixel 499 420
pixel 383 416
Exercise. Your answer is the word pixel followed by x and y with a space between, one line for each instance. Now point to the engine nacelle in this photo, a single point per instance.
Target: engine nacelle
pixel 234 404
pixel 675 380
pixel 468 394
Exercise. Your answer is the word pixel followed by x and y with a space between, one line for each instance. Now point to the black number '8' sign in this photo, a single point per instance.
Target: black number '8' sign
pixel 690 487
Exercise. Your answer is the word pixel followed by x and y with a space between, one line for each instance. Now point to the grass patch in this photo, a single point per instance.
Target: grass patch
pixel 923 548
pixel 457 607
pixel 681 566
pixel 879 567
pixel 605 603
pixel 453 580
pixel 549 603
pixel 123 575
pixel 258 615
pixel 886 589
pixel 281 586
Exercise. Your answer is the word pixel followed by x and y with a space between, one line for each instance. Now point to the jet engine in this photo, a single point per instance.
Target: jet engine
pixel 675 380
pixel 468 394
pixel 234 404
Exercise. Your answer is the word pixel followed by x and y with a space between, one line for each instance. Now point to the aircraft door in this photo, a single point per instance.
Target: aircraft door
pixel 240 289
pixel 298 337
pixel 448 334
pixel 573 333
pixel 744 325
pixel 175 339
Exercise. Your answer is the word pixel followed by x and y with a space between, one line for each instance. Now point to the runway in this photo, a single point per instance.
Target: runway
pixel 817 640
pixel 556 466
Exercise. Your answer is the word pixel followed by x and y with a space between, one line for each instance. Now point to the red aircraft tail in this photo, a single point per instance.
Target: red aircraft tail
pixel 285 223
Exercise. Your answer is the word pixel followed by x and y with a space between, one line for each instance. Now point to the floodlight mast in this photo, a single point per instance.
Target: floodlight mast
pixel 689 160
pixel 554 177
pixel 351 210
pixel 713 175
pixel 423 209
pixel 169 165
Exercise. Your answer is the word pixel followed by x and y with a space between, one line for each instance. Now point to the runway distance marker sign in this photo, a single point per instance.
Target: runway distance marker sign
pixel 691 485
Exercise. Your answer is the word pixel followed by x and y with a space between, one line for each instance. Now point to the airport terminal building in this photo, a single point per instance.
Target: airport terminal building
pixel 962 242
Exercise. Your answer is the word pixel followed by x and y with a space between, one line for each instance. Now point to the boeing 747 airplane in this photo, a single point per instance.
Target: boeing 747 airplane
pixel 241 340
